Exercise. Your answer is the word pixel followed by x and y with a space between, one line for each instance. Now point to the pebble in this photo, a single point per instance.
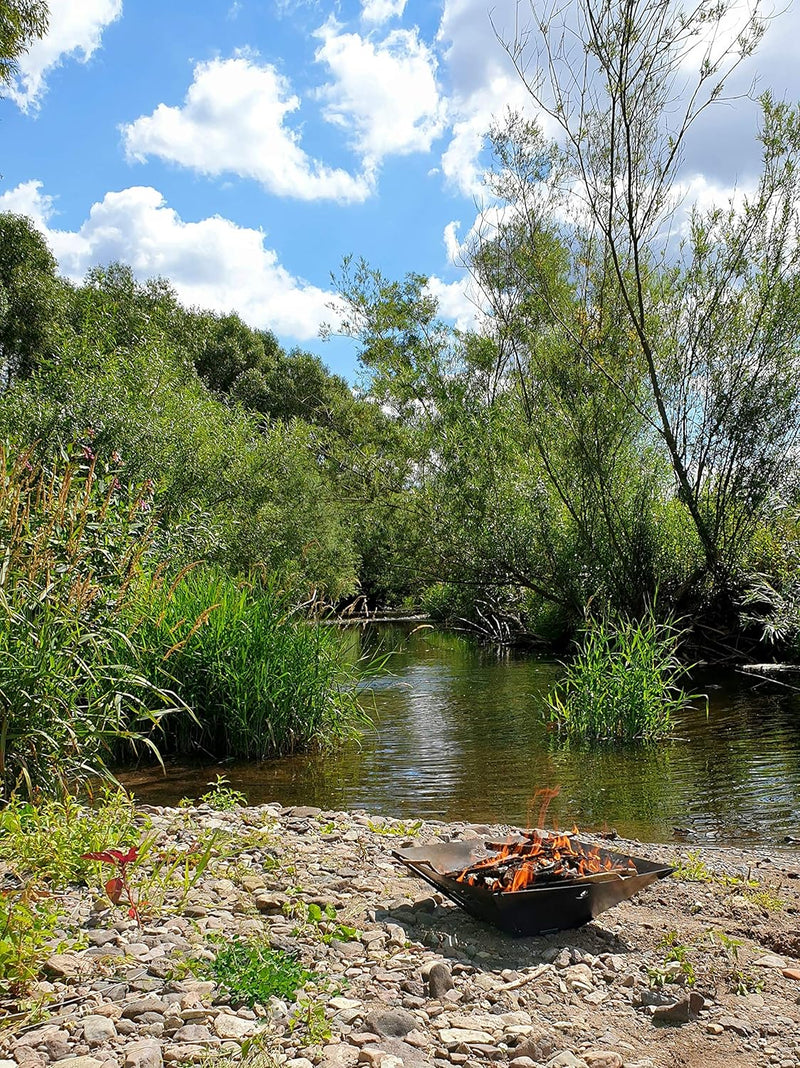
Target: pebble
pixel 420 985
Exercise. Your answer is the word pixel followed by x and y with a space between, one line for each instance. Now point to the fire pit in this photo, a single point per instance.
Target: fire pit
pixel 533 883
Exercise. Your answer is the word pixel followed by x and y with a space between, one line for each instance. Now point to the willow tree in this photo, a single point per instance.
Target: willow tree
pixel 705 313
pixel 21 23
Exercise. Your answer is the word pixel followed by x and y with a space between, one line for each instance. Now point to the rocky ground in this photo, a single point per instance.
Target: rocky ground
pixel 699 969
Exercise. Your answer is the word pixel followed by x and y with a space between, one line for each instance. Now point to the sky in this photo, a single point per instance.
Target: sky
pixel 242 148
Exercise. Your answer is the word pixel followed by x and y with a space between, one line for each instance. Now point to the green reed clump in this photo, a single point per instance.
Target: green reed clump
pixel 260 678
pixel 72 538
pixel 624 684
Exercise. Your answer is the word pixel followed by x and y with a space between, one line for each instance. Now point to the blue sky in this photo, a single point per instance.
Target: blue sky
pixel 241 148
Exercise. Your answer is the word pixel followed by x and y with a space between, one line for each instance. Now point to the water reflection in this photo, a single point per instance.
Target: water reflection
pixel 459 735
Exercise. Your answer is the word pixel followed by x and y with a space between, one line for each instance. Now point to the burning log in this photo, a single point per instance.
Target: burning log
pixel 539 860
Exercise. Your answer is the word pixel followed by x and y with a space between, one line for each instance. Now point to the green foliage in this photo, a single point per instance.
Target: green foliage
pixel 21 23
pixel 29 917
pixel 321 921
pixel 46 841
pixel 260 678
pixel 692 868
pixel 70 689
pixel 251 972
pixel 222 797
pixel 676 954
pixel 624 683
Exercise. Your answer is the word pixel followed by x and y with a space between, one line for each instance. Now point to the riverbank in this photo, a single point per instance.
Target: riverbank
pixel 701 968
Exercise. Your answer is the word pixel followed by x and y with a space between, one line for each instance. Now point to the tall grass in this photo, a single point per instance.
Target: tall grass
pixel 624 683
pixel 102 651
pixel 260 678
pixel 71 539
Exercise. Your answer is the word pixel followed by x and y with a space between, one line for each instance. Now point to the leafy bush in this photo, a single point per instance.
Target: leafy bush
pixel 624 684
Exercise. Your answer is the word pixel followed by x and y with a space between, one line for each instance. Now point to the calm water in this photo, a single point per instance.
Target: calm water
pixel 458 736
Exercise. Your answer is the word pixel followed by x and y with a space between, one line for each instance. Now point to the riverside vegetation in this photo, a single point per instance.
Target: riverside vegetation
pixel 180 496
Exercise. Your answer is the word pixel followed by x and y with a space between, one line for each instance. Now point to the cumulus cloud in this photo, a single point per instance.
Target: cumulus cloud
pixel 212 263
pixel 459 301
pixel 380 11
pixel 384 93
pixel 233 120
pixel 76 30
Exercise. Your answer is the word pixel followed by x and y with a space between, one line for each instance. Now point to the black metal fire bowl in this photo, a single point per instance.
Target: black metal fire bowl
pixel 537 910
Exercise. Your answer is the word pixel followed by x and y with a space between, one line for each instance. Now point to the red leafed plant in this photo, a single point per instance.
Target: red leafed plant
pixel 119 885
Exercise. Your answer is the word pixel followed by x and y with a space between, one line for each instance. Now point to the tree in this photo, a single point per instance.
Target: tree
pixel 21 23
pixel 713 324
pixel 32 298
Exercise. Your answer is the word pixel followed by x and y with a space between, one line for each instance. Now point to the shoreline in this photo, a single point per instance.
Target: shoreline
pixel 701 968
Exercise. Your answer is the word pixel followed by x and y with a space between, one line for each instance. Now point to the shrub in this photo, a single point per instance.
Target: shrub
pixel 624 684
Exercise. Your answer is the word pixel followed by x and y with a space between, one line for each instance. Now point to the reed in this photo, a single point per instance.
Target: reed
pixel 71 539
pixel 260 678
pixel 624 684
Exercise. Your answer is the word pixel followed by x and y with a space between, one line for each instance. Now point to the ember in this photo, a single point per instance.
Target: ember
pixel 541 859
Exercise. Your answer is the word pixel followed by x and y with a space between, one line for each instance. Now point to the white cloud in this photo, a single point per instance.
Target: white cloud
pixel 212 263
pixel 379 11
pixel 76 29
pixel 484 85
pixel 458 301
pixel 385 93
pixel 233 121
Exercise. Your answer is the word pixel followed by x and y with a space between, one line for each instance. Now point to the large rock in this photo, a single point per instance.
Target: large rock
pixel 440 980
pixel 145 1054
pixel 235 1027
pixel 140 1006
pixel 98 1029
pixel 339 1055
pixel 391 1023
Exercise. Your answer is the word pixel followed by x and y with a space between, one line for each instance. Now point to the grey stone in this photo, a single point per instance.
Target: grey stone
pixel 66 965
pixel 538 1047
pixel 80 1062
pixel 677 1013
pixel 193 1032
pixel 440 980
pixel 141 1006
pixel 391 1023
pixel 739 1027
pixel 339 1055
pixel 145 1054
pixel 234 1027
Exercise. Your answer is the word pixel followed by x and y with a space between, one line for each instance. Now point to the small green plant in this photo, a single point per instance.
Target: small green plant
pixel 692 868
pixel 118 886
pixel 624 684
pixel 677 953
pixel 311 1021
pixel 222 797
pixel 765 899
pixel 323 922
pixel 29 918
pixel 252 972
pixel 740 981
pixel 396 828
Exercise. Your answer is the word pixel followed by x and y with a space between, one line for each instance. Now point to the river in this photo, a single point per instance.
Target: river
pixel 459 735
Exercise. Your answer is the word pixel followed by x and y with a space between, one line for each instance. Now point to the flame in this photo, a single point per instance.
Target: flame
pixel 517 865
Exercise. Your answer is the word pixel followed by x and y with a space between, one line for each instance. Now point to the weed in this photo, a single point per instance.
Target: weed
pixel 252 972
pixel 311 1020
pixel 319 921
pixel 765 899
pixel 677 953
pixel 692 868
pixel 740 981
pixel 396 828
pixel 48 839
pixel 624 683
pixel 29 917
pixel 119 884
pixel 222 797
